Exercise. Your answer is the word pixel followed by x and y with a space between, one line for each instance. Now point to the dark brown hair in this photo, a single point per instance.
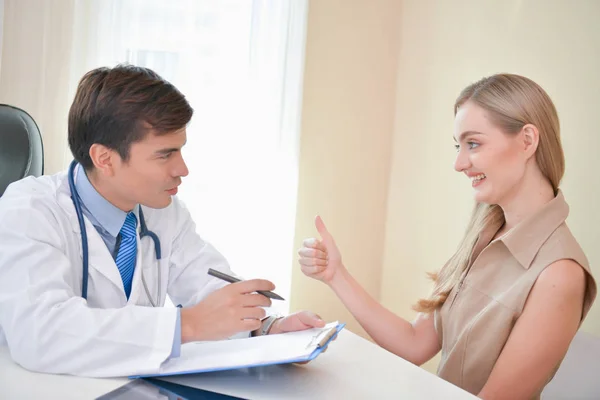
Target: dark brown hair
pixel 118 106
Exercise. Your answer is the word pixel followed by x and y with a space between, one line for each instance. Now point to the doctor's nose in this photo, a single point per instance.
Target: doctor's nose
pixel 181 169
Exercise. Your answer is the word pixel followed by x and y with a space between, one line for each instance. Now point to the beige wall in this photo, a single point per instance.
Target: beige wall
pixel 429 51
pixel 1 29
pixel 36 61
pixel 347 124
pixel 446 47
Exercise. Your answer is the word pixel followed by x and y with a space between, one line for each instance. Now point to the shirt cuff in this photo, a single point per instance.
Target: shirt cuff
pixel 176 350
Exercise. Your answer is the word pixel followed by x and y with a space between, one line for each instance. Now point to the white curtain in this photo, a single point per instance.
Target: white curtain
pixel 239 63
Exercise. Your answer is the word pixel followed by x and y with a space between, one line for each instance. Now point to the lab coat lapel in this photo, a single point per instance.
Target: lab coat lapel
pixel 99 258
pixel 136 285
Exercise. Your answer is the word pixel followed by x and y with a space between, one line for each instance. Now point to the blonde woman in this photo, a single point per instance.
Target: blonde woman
pixel 507 304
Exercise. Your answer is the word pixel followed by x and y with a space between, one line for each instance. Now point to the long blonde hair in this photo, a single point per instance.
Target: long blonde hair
pixel 512 101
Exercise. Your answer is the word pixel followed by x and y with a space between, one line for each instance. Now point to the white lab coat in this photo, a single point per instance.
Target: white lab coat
pixel 44 320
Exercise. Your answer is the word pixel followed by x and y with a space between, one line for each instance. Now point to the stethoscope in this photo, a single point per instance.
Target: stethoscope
pixel 84 242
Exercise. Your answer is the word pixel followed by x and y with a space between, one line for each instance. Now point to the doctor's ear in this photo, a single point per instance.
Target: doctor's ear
pixel 103 159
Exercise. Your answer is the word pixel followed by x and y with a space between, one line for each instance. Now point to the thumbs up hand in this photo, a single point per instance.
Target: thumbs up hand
pixel 320 258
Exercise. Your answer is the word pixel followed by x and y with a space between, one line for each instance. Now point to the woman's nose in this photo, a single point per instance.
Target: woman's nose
pixel 462 161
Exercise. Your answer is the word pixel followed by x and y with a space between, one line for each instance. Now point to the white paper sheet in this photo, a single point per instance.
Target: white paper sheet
pixel 261 350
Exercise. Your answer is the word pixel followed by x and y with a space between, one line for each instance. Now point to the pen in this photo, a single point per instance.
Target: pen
pixel 231 279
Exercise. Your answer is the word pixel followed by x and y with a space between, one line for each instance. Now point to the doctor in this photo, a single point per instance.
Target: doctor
pixel 88 257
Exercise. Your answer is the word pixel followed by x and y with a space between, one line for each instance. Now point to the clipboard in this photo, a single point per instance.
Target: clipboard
pixel 283 348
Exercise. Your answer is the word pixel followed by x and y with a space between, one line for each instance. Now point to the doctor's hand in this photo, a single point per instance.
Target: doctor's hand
pixel 320 258
pixel 232 309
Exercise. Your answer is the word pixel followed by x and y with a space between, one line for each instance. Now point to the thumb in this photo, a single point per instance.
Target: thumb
pixel 322 229
pixel 311 319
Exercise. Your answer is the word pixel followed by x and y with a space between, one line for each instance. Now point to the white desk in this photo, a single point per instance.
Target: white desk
pixel 351 368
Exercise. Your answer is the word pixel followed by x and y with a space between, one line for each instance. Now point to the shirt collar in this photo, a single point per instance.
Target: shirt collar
pixel 525 240
pixel 109 217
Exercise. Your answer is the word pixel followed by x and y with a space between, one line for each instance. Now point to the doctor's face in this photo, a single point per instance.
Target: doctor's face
pixel 153 171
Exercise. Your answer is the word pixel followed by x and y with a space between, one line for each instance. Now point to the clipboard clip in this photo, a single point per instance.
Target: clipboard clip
pixel 321 338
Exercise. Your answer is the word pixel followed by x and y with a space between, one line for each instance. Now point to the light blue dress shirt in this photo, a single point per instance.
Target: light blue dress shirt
pixel 108 220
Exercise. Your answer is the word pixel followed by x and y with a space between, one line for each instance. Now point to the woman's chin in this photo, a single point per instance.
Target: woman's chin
pixel 483 196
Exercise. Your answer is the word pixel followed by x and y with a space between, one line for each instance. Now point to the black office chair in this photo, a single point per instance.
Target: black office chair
pixel 21 147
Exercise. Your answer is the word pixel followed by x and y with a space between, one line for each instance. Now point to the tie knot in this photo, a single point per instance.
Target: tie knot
pixel 129 226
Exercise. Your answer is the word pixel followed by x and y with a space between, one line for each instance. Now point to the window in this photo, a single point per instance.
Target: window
pixel 240 64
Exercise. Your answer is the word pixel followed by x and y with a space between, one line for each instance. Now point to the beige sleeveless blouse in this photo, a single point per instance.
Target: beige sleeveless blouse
pixel 475 322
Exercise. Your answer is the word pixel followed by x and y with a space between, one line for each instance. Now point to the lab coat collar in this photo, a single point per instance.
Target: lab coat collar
pixel 99 258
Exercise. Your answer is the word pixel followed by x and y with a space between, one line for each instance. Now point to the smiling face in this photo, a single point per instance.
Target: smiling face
pixel 493 160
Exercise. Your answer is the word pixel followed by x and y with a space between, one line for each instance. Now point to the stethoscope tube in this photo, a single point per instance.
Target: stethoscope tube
pixel 84 240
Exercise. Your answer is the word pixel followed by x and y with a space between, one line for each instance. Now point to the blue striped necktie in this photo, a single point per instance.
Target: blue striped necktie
pixel 127 252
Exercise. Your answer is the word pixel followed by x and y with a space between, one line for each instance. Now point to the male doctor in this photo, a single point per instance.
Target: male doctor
pixel 126 129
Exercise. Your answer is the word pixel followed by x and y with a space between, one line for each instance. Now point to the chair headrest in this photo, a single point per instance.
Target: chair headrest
pixel 21 147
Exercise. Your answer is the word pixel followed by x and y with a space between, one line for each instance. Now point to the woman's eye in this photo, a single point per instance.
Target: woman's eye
pixel 457 147
pixel 473 145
